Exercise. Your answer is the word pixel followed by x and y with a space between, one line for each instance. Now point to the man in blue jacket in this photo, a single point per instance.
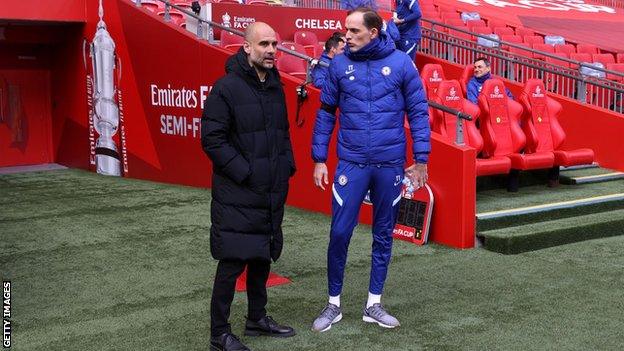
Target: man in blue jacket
pixel 333 46
pixel 408 20
pixel 481 73
pixel 373 85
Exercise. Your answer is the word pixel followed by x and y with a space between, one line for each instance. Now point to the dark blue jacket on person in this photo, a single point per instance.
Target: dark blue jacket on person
pixel 392 30
pixel 409 11
pixel 373 88
pixel 354 4
pixel 473 88
pixel 319 73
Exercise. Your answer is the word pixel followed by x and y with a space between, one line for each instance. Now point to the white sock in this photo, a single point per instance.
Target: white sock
pixel 373 299
pixel 335 300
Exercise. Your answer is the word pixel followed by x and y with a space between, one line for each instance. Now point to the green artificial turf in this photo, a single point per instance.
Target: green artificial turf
pixel 101 263
pixel 501 199
pixel 539 235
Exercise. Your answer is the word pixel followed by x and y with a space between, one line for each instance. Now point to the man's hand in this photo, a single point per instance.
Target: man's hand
pixel 320 175
pixel 417 173
pixel 398 20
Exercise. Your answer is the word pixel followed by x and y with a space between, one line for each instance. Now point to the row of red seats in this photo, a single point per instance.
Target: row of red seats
pixel 305 42
pixel 449 15
pixel 511 135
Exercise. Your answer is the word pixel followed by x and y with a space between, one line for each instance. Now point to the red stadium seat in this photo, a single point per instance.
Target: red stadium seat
pixel 153 5
pixel 320 48
pixel 496 23
pixel 532 39
pixel 618 67
pixel 292 65
pixel 231 41
pixel 475 23
pixel 449 94
pixel 308 40
pixel 176 16
pixel 500 31
pixel 521 31
pixel 501 131
pixel 603 58
pixel 467 73
pixel 305 37
pixel 431 75
pixel 454 22
pixel 481 30
pixel 294 47
pixel 431 15
pixel 620 57
pixel 567 48
pixel 516 39
pixel 581 57
pixel 447 8
pixel 543 48
pixel 587 49
pixel 428 7
pixel 449 15
pixel 541 126
pixel 557 62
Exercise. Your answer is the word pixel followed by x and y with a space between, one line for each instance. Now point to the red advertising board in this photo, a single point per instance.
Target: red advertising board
pixel 285 20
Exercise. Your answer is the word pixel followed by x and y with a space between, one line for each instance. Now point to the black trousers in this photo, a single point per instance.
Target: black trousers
pixel 223 292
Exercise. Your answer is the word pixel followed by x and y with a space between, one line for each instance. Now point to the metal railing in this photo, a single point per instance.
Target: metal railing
pixel 515 63
pixel 459 140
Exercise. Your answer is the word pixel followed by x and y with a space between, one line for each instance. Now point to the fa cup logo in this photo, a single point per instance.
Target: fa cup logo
pixel 225 20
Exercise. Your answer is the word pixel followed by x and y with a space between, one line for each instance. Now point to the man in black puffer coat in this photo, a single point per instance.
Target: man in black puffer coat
pixel 245 134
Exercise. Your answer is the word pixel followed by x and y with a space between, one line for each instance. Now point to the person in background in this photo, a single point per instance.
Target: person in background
pixel 480 75
pixel 333 46
pixel 407 19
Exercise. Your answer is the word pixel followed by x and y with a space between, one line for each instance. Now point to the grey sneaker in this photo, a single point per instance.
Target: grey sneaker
pixel 377 314
pixel 329 315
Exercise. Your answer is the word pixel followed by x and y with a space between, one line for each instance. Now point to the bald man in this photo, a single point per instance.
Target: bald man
pixel 245 133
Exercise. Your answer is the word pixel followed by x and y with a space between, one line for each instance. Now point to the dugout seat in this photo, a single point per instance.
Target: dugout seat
pixel 541 127
pixel 449 94
pixel 502 134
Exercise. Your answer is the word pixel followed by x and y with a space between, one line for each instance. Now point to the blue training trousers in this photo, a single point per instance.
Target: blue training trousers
pixel 408 46
pixel 351 183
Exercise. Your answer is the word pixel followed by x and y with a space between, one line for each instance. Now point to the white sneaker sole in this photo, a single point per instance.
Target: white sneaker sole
pixel 336 320
pixel 372 320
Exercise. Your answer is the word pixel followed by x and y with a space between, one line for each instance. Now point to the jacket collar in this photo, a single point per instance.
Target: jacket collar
pixel 483 78
pixel 239 65
pixel 378 48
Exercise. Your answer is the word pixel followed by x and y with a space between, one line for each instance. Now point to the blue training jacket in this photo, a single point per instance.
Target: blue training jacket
pixel 319 73
pixel 373 88
pixel 473 88
pixel 409 10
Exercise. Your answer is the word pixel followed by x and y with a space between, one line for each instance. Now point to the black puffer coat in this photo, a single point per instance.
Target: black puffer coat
pixel 245 134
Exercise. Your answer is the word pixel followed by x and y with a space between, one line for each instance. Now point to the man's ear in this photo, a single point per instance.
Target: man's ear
pixel 247 47
pixel 374 33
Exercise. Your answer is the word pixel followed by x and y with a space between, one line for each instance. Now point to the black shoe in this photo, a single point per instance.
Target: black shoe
pixel 267 326
pixel 227 342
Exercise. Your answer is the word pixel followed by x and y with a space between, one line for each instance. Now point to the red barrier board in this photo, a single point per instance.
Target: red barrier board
pixel 285 20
